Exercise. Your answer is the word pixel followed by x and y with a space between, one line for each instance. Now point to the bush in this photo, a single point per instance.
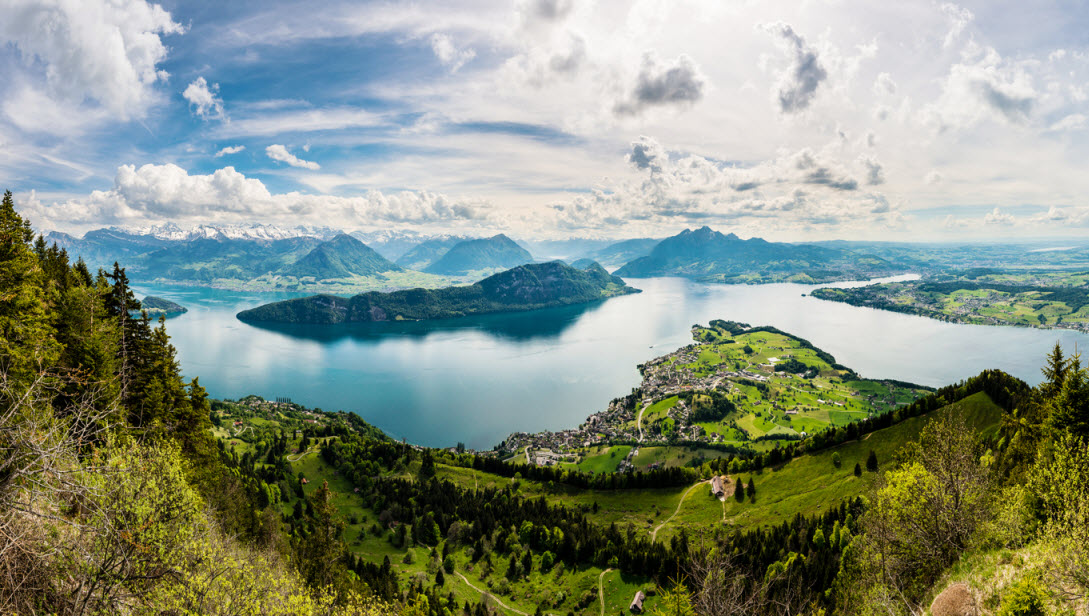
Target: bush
pixel 1025 598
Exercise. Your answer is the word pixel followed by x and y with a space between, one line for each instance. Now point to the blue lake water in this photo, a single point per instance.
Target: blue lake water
pixel 478 379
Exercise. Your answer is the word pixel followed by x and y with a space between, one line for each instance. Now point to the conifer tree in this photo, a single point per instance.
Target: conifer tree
pixel 871 462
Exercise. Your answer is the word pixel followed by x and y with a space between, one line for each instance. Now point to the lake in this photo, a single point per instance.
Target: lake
pixel 478 379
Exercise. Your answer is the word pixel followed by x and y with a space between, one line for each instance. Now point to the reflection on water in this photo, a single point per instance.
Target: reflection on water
pixel 478 379
pixel 512 326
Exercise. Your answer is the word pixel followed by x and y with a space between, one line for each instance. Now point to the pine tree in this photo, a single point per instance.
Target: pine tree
pixel 27 342
pixel 739 490
pixel 871 462
pixel 750 490
pixel 858 469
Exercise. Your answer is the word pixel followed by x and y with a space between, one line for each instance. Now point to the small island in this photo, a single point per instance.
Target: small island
pixel 526 287
pixel 156 306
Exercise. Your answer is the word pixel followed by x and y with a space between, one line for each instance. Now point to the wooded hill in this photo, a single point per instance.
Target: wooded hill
pixel 526 287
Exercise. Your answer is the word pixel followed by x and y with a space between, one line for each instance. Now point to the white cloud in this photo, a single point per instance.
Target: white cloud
pixel 801 188
pixel 1074 121
pixel 156 193
pixel 301 121
pixel 884 85
pixel 959 18
pixel 231 149
pixel 996 217
pixel 448 54
pixel 987 88
pixel 278 152
pixel 203 100
pixel 106 51
pixel 35 112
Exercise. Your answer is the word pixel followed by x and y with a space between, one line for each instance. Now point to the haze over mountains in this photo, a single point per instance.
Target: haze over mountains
pixel 474 255
pixel 266 257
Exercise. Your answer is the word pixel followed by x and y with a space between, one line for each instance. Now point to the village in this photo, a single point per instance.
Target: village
pixel 780 389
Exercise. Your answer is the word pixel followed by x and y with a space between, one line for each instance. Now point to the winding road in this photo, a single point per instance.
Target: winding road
pixel 654 533
pixel 498 602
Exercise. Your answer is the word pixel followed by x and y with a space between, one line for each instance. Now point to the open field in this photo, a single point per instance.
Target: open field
pixel 1025 300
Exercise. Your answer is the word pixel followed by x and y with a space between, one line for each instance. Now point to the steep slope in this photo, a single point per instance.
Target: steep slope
pixel 615 255
pixel 158 305
pixel 341 257
pixel 526 287
pixel 710 255
pixel 205 260
pixel 424 254
pixel 498 252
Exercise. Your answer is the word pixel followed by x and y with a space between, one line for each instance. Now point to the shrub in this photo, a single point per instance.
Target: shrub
pixel 1025 598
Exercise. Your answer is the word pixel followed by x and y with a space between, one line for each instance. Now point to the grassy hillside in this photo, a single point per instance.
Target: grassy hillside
pixel 986 300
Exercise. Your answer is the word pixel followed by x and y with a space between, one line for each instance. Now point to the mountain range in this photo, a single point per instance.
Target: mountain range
pixel 709 255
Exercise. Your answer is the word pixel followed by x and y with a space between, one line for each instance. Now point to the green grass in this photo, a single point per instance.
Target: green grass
pixel 811 484
pixel 607 461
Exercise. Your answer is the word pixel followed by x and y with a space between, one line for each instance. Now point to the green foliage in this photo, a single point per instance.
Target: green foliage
pixel 674 601
pixel 1025 598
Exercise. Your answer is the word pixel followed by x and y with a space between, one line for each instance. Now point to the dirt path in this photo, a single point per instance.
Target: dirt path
pixel 300 456
pixel 601 590
pixel 639 423
pixel 654 533
pixel 484 592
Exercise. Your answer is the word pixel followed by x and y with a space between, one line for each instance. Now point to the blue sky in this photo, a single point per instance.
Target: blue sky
pixel 549 118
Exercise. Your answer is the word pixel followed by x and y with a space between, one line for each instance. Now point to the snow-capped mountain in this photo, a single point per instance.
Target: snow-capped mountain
pixel 173 232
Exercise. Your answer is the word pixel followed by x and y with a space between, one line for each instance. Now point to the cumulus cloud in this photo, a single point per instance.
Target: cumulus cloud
pixel 203 100
pixel 679 83
pixel 805 187
pixel 278 152
pixel 105 51
pixel 231 149
pixel 154 193
pixel 799 82
pixel 448 54
pixel 996 217
pixel 548 10
pixel 988 88
pixel 646 153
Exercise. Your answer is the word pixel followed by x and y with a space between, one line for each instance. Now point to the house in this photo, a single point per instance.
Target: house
pixel 717 489
pixel 636 606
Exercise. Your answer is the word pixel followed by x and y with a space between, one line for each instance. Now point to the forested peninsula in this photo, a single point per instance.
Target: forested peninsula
pixel 526 287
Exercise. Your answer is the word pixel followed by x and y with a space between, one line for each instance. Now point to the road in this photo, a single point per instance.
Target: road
pixel 654 533
pixel 484 592
pixel 601 590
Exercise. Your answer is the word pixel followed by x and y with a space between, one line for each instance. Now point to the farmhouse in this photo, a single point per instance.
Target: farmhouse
pixel 636 606
pixel 717 490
